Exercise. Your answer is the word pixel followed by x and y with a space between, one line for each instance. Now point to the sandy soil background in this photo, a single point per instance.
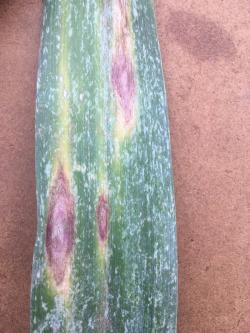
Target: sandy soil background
pixel 206 54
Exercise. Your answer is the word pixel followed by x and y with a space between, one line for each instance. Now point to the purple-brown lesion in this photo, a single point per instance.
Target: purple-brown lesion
pixel 60 226
pixel 102 217
pixel 123 81
pixel 122 68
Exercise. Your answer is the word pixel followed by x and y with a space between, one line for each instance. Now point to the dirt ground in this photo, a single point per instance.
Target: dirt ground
pixel 205 48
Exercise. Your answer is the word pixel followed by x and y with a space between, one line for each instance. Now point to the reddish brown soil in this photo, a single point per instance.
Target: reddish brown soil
pixel 206 55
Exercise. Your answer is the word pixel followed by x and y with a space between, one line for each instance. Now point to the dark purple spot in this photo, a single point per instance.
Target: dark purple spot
pixel 60 226
pixel 102 217
pixel 124 83
pixel 200 36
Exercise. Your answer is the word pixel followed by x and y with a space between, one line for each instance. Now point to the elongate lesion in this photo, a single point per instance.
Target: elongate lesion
pixel 60 227
pixel 123 69
pixel 124 83
pixel 102 218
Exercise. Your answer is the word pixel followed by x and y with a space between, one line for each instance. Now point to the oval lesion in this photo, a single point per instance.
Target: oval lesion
pixel 102 217
pixel 124 83
pixel 123 69
pixel 60 226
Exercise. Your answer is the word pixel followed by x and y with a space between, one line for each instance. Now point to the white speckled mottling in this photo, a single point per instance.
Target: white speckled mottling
pixel 130 283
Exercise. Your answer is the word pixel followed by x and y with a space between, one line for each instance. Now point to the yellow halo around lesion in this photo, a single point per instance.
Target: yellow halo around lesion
pixel 123 39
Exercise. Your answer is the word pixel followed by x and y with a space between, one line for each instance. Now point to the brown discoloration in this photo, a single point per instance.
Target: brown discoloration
pixel 60 226
pixel 201 37
pixel 102 217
